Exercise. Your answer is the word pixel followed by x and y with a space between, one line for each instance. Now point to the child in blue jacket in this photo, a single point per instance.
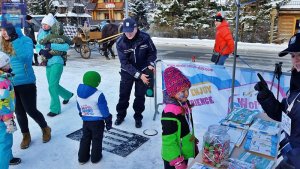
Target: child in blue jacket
pixel 93 109
pixel 7 108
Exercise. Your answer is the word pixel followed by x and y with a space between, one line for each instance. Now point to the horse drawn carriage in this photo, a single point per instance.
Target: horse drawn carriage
pixel 90 38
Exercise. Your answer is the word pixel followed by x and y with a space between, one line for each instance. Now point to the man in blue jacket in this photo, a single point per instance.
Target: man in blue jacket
pixel 137 53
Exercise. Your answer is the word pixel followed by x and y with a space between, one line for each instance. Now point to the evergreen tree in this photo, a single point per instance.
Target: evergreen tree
pixel 169 14
pixel 139 11
pixel 38 7
pixel 199 14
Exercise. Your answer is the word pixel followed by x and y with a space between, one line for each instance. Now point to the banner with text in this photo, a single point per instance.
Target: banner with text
pixel 211 87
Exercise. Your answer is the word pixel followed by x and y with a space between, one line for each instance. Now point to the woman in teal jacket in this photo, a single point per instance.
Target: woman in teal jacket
pixel 20 49
pixel 54 67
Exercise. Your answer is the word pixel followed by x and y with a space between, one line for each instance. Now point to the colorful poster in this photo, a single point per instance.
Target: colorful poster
pixel 211 87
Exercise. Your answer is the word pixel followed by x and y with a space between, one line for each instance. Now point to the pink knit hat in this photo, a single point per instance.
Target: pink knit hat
pixel 175 81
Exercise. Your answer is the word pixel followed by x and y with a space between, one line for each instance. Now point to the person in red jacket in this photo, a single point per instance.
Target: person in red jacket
pixel 224 44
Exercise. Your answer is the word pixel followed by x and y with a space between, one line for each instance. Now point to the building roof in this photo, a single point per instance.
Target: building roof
pixel 293 4
pixel 71 14
pixel 91 6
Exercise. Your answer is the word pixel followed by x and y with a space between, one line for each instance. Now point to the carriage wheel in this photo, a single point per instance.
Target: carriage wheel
pixel 85 51
pixel 77 48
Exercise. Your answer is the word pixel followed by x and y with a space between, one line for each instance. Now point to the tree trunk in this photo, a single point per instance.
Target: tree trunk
pixel 47 7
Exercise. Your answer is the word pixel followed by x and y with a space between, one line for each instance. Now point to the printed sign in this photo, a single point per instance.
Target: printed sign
pixel 211 88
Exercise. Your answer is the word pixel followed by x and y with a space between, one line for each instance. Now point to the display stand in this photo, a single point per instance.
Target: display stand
pixel 239 150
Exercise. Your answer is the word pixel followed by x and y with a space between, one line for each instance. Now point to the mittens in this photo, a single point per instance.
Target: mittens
pixel 179 163
pixel 260 86
pixel 263 90
pixel 48 46
pixel 108 122
pixel 10 126
pixel 45 53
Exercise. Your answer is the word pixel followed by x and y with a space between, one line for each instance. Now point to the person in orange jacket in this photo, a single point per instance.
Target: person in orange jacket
pixel 224 44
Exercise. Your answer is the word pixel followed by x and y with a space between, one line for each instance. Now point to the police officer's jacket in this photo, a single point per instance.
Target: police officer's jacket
pixel 136 54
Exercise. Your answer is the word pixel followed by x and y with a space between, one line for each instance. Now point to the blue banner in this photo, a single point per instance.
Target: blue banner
pixel 211 87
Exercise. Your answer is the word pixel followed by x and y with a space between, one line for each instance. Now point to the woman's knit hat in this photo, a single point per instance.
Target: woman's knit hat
pixel 49 20
pixel 219 17
pixel 92 78
pixel 175 81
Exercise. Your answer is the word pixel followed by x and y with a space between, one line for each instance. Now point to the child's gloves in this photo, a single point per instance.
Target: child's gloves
pixel 178 163
pixel 48 46
pixel 193 138
pixel 45 53
pixel 10 126
pixel 108 122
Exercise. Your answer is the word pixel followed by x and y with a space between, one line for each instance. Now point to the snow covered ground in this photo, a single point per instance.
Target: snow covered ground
pixel 61 152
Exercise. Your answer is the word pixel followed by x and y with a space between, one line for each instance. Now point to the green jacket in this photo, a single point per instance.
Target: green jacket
pixel 176 137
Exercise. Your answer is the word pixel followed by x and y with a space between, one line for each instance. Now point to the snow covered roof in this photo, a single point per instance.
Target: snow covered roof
pixel 57 3
pixel 71 14
pixel 275 2
pixel 293 4
pixel 84 15
pixel 77 4
pixel 59 15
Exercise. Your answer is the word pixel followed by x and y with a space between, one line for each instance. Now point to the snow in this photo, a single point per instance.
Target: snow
pixel 71 14
pixel 293 4
pixel 61 152
pixel 210 43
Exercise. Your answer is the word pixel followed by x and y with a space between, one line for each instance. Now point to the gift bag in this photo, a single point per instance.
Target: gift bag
pixel 215 57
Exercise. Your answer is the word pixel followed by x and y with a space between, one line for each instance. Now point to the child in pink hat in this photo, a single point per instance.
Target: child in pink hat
pixel 178 140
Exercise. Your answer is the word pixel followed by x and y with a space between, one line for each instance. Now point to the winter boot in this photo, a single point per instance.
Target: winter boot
pixel 46 134
pixel 138 123
pixel 25 141
pixel 15 161
pixel 119 121
pixel 36 61
pixel 67 101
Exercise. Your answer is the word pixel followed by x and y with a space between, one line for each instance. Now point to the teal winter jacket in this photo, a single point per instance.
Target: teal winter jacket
pixel 21 62
pixel 55 46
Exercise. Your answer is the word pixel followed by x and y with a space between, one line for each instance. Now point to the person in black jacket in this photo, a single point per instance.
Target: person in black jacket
pixel 289 105
pixel 137 53
pixel 29 31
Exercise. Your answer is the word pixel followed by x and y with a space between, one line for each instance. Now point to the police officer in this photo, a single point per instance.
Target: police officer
pixel 289 107
pixel 137 53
